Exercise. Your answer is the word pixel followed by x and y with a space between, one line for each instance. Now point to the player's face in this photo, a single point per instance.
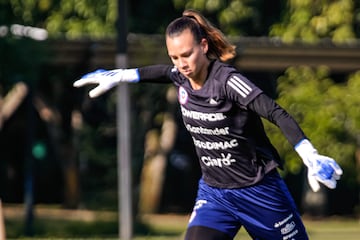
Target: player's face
pixel 188 56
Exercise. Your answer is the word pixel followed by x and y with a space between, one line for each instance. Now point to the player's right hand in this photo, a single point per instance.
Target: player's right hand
pixel 106 79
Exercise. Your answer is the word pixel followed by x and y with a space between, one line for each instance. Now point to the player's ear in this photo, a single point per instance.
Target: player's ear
pixel 204 45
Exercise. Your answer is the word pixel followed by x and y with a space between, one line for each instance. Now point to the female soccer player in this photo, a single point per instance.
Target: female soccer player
pixel 221 109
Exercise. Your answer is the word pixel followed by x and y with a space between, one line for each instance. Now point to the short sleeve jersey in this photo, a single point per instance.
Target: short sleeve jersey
pixel 229 138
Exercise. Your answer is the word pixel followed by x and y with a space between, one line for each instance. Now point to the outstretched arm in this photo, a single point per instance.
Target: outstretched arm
pixel 106 80
pixel 320 168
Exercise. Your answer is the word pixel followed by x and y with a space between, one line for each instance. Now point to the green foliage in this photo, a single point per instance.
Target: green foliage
pixel 291 20
pixel 69 18
pixel 237 17
pixel 309 21
pixel 327 113
pixel 79 18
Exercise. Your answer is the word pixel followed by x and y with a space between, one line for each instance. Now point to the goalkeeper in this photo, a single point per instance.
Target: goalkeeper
pixel 222 110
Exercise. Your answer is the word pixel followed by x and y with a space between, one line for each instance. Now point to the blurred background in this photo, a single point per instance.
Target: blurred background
pixel 58 147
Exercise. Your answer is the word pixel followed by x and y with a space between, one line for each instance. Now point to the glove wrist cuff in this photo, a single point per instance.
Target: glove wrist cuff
pixel 130 75
pixel 304 148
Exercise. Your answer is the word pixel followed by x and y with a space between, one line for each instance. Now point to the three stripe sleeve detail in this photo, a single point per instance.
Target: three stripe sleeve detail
pixel 239 86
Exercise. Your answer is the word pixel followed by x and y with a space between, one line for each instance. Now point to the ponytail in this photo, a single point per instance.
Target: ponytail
pixel 219 47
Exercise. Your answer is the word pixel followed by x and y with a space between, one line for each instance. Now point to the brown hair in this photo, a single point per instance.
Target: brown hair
pixel 219 46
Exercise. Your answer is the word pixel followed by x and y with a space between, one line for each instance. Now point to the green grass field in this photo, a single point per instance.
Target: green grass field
pixel 329 229
pixel 76 225
pixel 324 229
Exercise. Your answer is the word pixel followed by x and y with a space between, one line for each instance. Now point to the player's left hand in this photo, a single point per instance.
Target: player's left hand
pixel 324 170
pixel 321 169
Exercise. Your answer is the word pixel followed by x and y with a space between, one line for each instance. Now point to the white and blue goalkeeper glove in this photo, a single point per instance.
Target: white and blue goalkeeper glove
pixel 107 79
pixel 320 168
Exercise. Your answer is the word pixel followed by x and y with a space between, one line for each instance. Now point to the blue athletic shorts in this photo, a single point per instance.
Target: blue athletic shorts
pixel 266 210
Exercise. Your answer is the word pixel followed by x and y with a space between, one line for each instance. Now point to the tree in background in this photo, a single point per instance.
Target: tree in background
pixel 327 113
pixel 69 18
pixel 322 105
pixel 310 21
pixel 238 17
pixel 304 20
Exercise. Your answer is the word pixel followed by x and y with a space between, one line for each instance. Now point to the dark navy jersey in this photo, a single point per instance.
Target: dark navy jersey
pixel 223 118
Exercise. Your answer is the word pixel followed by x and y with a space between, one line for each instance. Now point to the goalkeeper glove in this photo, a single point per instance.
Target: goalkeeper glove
pixel 320 168
pixel 107 79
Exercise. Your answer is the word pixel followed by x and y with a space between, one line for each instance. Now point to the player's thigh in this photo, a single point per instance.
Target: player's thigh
pixel 268 211
pixel 212 219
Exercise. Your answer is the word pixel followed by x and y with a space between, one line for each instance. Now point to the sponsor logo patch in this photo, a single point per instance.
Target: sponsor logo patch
pixel 183 96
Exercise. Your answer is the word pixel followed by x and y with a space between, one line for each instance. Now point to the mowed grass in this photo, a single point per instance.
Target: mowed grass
pixel 332 228
pixel 67 225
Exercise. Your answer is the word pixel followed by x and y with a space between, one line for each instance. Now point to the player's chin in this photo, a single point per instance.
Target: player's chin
pixel 187 73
